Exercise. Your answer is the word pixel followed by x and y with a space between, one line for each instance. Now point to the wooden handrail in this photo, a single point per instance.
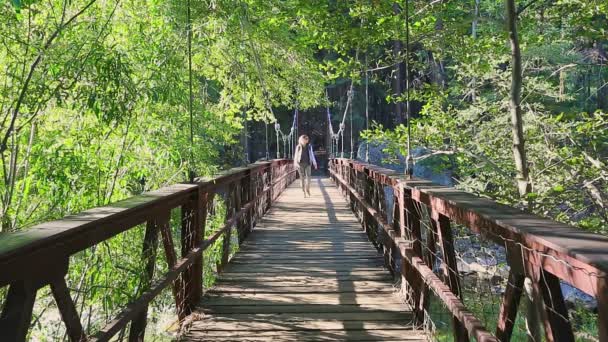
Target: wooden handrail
pixel 39 256
pixel 540 249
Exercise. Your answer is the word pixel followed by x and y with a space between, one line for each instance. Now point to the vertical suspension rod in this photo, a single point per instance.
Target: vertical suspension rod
pixel 409 169
pixel 191 98
pixel 366 107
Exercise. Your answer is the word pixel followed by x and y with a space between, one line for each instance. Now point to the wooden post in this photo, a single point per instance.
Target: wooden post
pixel 191 232
pixel 556 321
pixel 238 205
pixel 413 234
pixel 17 312
pixel 164 225
pixel 429 259
pixel 398 215
pixel 509 305
pixel 368 224
pixel 150 245
pixel 231 210
pixel 602 306
pixel 270 193
pixel 67 310
pixel 243 197
pixel 446 241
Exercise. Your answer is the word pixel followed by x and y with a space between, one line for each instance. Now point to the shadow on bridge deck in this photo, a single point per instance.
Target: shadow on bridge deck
pixel 307 272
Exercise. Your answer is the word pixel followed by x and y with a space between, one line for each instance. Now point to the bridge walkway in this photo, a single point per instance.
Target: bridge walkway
pixel 307 272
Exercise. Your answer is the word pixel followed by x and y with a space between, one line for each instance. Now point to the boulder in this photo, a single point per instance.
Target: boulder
pixel 437 168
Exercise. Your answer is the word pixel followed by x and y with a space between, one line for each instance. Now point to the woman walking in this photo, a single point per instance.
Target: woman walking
pixel 303 159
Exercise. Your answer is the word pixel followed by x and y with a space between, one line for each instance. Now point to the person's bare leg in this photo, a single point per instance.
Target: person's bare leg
pixel 308 171
pixel 302 171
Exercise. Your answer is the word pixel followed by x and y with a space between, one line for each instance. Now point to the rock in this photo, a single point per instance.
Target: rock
pixel 437 168
pixel 574 296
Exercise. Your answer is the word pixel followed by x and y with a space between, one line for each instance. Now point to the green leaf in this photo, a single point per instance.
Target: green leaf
pixel 532 196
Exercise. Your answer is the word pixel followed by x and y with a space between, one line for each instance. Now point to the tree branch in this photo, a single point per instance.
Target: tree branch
pixel 34 65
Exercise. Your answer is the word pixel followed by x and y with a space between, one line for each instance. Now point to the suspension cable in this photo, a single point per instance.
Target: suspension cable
pixel 352 91
pixel 340 133
pixel 342 149
pixel 245 126
pixel 266 129
pixel 285 138
pixel 366 107
pixel 277 129
pixel 330 128
pixel 409 161
pixel 352 143
pixel 284 148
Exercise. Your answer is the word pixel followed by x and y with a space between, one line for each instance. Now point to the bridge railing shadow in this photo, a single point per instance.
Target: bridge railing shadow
pixel 440 239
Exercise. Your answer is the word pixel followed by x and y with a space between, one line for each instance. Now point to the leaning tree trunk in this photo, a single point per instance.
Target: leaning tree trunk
pixel 474 36
pixel 519 153
pixel 398 72
pixel 602 87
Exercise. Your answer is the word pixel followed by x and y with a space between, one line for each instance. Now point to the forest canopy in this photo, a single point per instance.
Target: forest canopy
pixel 103 100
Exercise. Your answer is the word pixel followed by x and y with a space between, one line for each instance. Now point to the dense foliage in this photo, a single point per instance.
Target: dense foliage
pixel 94 99
pixel 95 95
pixel 461 78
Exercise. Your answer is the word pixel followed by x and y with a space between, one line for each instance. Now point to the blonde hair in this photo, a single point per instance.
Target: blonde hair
pixel 303 139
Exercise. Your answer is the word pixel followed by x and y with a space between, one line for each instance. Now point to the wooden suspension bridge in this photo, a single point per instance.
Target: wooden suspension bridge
pixel 344 264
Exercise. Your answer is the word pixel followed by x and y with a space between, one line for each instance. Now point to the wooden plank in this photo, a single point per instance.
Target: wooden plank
pixel 325 335
pixel 303 317
pixel 312 288
pixel 312 281
pixel 254 277
pixel 294 254
pixel 305 308
pixel 369 262
pixel 295 269
pixel 348 298
pixel 226 324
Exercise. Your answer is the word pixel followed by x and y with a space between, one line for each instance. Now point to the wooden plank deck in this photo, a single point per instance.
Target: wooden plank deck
pixel 306 273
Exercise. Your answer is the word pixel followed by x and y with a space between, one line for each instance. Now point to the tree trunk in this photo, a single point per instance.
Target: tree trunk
pixel 438 74
pixel 474 35
pixel 397 72
pixel 602 87
pixel 519 152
